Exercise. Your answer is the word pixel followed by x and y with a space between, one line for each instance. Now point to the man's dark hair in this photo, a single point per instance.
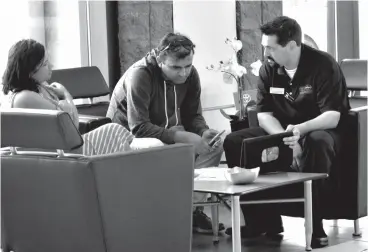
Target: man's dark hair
pixel 176 45
pixel 24 58
pixel 286 29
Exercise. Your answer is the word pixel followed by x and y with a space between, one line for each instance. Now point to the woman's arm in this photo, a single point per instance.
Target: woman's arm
pixel 32 100
pixel 66 101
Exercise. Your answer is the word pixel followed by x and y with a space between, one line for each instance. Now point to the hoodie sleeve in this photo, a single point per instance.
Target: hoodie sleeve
pixel 191 109
pixel 139 87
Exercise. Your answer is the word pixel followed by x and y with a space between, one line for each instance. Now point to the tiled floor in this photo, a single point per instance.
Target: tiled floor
pixel 292 240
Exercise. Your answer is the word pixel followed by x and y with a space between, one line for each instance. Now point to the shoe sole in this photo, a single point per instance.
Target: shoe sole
pixel 204 231
pixel 272 233
pixel 321 240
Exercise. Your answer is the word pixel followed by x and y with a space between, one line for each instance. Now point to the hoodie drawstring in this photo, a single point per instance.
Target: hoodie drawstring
pixel 176 107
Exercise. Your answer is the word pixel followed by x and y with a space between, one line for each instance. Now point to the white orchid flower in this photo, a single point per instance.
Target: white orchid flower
pixel 232 70
pixel 240 70
pixel 235 44
pixel 255 67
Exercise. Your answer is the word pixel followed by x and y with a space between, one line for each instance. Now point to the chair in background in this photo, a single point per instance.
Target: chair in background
pixel 57 201
pixel 86 83
pixel 355 72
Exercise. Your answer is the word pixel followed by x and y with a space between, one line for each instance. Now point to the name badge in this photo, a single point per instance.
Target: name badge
pixel 274 90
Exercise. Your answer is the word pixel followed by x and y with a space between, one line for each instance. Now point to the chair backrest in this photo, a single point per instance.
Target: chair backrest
pixel 82 82
pixel 355 72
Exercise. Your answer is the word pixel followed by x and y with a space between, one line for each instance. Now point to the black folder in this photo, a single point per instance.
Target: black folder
pixel 251 152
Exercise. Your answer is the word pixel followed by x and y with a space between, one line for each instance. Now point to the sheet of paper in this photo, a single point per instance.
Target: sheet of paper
pixel 210 174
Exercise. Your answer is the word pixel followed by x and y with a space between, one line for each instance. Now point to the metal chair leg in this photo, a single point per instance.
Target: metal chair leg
pixel 357 232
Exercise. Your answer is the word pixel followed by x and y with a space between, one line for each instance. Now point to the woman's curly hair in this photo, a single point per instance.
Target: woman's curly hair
pixel 25 57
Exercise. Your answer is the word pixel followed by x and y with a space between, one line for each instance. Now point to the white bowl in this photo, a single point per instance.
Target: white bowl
pixel 238 176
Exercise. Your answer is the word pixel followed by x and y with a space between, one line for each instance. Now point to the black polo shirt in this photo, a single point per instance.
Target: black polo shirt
pixel 317 86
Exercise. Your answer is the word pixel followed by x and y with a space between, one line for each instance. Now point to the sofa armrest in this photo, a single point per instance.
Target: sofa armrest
pixel 361 190
pixel 252 116
pixel 146 195
pixel 89 122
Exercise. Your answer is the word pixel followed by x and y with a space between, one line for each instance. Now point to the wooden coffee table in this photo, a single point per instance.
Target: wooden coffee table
pixel 263 182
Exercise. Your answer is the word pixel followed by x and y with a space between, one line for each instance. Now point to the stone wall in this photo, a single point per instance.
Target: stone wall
pixel 249 16
pixel 141 24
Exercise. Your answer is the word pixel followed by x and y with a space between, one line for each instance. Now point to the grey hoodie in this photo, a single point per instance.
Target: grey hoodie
pixel 148 106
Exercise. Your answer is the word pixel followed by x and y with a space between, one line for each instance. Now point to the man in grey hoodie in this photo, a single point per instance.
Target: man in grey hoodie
pixel 159 97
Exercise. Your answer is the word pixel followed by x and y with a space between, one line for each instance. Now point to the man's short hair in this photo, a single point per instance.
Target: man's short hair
pixel 286 29
pixel 176 45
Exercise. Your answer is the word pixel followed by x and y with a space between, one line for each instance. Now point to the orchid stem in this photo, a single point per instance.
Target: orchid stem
pixel 240 89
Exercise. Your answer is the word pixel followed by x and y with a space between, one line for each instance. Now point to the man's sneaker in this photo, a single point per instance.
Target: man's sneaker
pixel 202 223
pixel 319 236
pixel 319 242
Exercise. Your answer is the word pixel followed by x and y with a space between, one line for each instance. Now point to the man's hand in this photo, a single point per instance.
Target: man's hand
pixel 209 134
pixel 177 128
pixel 293 140
pixel 297 153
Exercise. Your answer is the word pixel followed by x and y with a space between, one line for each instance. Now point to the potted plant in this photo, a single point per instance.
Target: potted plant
pixel 233 71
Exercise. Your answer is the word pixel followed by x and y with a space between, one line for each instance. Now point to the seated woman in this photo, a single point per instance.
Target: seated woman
pixel 25 85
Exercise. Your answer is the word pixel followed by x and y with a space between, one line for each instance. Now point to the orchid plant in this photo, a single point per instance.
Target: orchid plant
pixel 233 71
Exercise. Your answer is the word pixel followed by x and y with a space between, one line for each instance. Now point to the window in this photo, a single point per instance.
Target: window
pixel 363 29
pixel 63 33
pixel 312 17
pixel 15 22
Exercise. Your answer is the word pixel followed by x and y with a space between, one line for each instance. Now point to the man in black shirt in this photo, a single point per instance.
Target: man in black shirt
pixel 302 90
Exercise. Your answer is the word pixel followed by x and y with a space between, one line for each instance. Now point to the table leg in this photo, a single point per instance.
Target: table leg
pixel 308 215
pixel 235 222
pixel 215 219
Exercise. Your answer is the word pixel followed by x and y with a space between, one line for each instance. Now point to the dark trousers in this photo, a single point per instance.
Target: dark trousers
pixel 320 154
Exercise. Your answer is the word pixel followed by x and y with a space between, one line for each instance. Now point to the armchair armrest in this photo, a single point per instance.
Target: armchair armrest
pixel 252 116
pixel 90 122
pixel 361 180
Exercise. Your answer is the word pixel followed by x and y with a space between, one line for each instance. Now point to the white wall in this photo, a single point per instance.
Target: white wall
pixel 208 24
pixel 36 22
pixel 312 17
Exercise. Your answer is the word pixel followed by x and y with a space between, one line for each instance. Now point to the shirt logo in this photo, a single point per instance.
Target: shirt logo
pixel 307 89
